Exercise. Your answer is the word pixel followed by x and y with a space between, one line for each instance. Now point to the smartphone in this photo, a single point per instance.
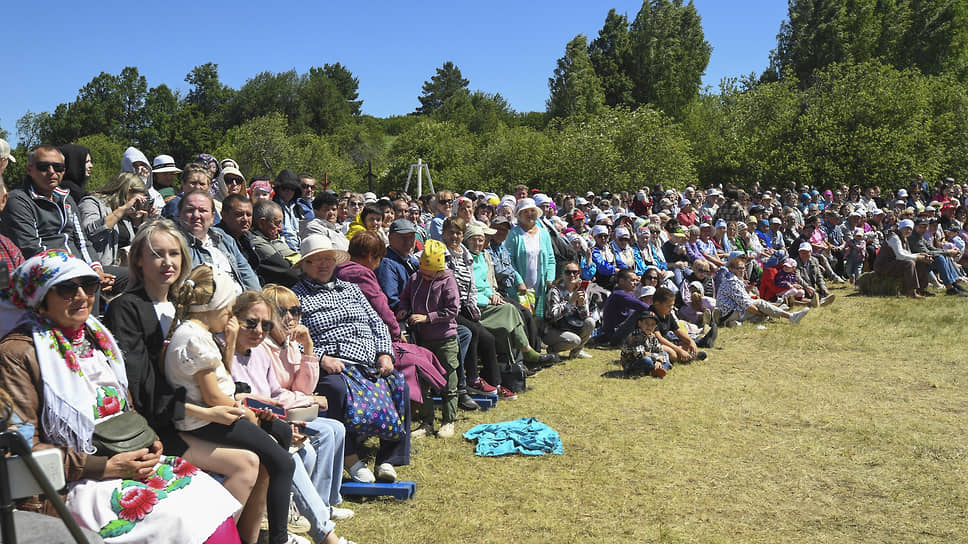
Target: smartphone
pixel 254 404
pixel 584 285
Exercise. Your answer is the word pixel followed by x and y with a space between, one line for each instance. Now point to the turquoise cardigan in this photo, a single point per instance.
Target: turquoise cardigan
pixel 546 263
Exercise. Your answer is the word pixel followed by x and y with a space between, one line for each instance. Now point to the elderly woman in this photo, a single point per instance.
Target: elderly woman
pixel 531 253
pixel 895 259
pixel 66 375
pixel 345 329
pixel 569 327
pixel 734 301
pixel 498 316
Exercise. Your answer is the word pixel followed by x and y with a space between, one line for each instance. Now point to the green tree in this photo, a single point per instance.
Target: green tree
pixel 3 133
pixel 668 54
pixel 158 134
pixel 447 147
pixel 209 95
pixel 326 109
pixel 575 88
pixel 347 84
pixel 267 93
pixel 609 55
pixel 447 82
pixel 106 155
pixel 32 128
pixel 509 156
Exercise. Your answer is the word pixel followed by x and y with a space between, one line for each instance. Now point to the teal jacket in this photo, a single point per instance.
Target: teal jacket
pixel 546 263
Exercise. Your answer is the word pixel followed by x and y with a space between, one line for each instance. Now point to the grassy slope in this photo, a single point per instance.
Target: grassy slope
pixel 847 428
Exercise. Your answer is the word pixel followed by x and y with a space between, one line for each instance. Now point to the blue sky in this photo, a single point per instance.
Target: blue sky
pixel 506 47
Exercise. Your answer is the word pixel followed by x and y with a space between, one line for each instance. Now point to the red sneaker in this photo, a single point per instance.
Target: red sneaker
pixel 481 387
pixel 506 394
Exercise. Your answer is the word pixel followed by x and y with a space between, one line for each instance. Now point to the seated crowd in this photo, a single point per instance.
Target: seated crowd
pixel 211 304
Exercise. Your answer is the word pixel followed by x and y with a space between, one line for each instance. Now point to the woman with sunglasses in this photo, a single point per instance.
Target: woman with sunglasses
pixel 140 319
pixel 66 375
pixel 313 484
pixel 230 181
pixel 569 325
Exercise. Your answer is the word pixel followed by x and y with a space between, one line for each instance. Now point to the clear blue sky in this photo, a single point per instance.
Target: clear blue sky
pixel 506 47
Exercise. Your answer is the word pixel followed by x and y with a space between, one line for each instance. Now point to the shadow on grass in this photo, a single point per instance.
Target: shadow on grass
pixel 615 374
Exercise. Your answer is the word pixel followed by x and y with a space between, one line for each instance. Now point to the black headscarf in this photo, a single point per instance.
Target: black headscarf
pixel 74 180
pixel 288 178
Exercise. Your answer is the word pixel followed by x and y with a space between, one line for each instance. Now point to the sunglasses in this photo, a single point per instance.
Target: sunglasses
pixel 355 204
pixel 307 187
pixel 252 324
pixel 295 311
pixel 572 272
pixel 233 181
pixel 67 290
pixel 42 166
pixel 451 201
pixel 650 278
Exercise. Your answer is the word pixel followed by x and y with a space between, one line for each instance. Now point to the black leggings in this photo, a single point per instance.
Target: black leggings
pixel 483 344
pixel 273 455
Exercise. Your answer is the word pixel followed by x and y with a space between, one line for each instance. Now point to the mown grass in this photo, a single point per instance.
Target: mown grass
pixel 850 427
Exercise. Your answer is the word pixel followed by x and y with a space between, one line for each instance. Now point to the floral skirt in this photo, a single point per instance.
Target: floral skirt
pixel 178 503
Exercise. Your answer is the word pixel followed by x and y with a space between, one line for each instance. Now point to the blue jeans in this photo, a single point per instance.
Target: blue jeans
pixel 464 340
pixel 941 265
pixel 318 475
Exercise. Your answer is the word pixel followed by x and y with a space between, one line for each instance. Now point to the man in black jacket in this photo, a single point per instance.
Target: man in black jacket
pixel 941 263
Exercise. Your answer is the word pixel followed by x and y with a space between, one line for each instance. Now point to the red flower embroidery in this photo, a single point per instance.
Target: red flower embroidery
pixel 136 503
pixel 183 468
pixel 156 482
pixel 111 405
pixel 71 359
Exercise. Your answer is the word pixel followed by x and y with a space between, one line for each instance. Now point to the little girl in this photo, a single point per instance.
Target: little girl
pixel 856 254
pixel 431 300
pixel 194 361
pixel 790 288
pixel 642 352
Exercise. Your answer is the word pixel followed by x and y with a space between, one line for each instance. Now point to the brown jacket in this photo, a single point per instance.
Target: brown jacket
pixel 20 377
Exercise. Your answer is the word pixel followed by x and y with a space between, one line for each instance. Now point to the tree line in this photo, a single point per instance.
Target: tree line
pixel 857 91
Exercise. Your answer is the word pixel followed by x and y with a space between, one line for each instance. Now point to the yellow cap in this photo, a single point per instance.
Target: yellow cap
pixel 432 258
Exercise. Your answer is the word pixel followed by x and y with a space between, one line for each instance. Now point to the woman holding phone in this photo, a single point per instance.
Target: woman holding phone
pixel 568 324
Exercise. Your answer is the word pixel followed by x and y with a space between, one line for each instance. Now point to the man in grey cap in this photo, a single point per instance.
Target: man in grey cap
pixel 5 156
pixel 399 263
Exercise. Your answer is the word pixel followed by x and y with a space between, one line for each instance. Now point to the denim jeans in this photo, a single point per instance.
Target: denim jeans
pixel 318 475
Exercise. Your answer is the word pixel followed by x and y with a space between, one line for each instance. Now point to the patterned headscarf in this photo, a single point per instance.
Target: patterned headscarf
pixel 68 418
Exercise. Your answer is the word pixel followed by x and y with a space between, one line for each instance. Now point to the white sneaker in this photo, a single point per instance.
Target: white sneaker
pixel 296 539
pixel 446 430
pixel 584 355
pixel 297 523
pixel 827 300
pixel 339 514
pixel 359 473
pixel 342 540
pixel 386 473
pixel 797 316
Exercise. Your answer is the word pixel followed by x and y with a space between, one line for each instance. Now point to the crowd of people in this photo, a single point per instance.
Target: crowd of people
pixel 232 313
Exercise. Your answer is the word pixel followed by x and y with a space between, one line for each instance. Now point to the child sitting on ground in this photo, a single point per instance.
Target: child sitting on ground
pixel 790 289
pixel 431 300
pixel 697 308
pixel 641 352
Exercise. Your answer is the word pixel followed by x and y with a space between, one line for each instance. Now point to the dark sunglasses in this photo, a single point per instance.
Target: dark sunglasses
pixel 354 203
pixel 451 201
pixel 572 272
pixel 251 325
pixel 307 187
pixel 295 311
pixel 42 166
pixel 651 278
pixel 233 181
pixel 67 290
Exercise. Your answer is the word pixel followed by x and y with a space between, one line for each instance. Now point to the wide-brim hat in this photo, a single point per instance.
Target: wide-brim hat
pixel 525 204
pixel 317 243
pixel 163 164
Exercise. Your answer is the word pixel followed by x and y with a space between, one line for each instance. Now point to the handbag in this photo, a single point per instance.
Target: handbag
pixel 374 404
pixel 127 431
pixel 570 323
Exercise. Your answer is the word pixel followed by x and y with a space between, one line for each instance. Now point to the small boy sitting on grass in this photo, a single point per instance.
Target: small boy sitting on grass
pixel 641 352
pixel 674 339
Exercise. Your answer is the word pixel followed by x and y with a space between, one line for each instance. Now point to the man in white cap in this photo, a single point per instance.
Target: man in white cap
pixel 5 156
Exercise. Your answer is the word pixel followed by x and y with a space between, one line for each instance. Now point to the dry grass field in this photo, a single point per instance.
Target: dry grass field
pixel 850 427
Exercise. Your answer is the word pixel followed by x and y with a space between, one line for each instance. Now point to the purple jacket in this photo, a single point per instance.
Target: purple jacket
pixel 438 299
pixel 365 279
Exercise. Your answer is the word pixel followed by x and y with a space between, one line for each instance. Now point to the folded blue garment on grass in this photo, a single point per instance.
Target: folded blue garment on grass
pixel 526 435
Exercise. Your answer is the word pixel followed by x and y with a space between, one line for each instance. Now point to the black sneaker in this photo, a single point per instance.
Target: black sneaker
pixel 548 359
pixel 709 341
pixel 956 292
pixel 466 402
pixel 701 356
